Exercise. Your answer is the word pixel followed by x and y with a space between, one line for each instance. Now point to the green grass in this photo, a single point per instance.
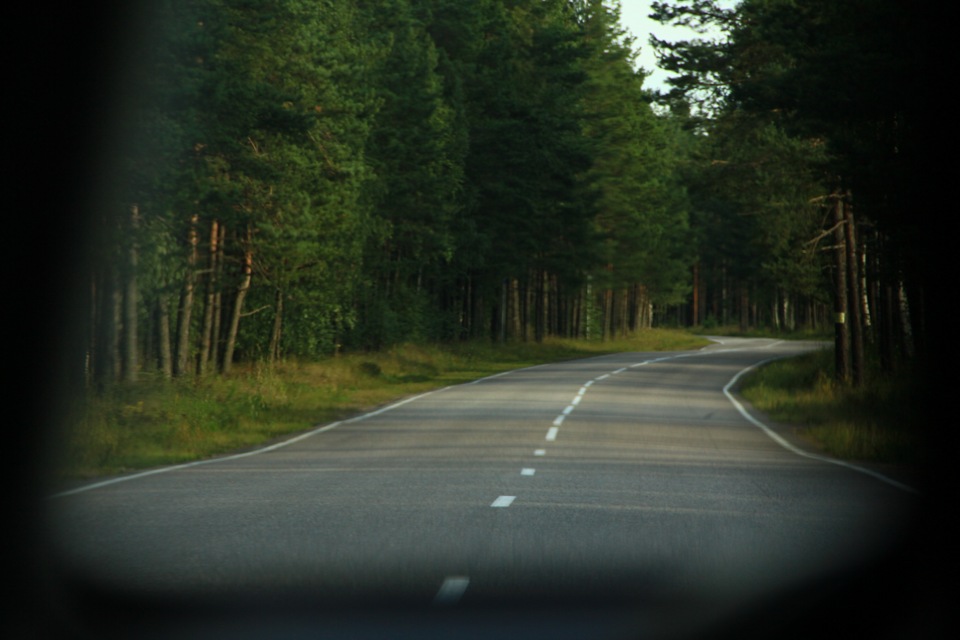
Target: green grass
pixel 158 422
pixel 874 423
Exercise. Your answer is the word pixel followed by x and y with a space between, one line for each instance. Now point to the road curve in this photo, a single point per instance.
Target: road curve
pixel 630 477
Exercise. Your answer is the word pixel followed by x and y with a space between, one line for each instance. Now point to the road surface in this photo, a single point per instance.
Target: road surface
pixel 629 477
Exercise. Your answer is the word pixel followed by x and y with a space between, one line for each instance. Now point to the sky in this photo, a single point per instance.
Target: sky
pixel 633 17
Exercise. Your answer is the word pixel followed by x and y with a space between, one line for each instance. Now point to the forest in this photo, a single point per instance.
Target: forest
pixel 298 178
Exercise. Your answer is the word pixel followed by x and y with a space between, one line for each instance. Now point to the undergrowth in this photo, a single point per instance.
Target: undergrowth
pixel 156 421
pixel 873 423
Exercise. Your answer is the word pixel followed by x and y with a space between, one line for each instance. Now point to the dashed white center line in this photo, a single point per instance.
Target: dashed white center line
pixel 620 370
pixel 503 501
pixel 527 472
pixel 451 590
pixel 552 433
pixel 559 420
pixel 540 452
pixel 576 401
pixel 603 377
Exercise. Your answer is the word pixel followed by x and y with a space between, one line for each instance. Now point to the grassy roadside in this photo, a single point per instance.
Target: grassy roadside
pixel 873 424
pixel 158 422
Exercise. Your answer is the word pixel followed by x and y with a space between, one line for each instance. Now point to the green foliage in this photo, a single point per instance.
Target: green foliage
pixel 811 92
pixel 382 172
pixel 759 204
pixel 641 211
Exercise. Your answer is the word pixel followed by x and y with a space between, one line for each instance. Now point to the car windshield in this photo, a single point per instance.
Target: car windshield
pixel 384 317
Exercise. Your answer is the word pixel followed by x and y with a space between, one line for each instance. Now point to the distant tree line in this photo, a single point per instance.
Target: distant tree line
pixel 297 177
pixel 813 115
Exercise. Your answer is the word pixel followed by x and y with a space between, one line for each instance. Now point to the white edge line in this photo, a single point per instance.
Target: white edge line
pixel 557 422
pixel 505 373
pixel 237 456
pixel 390 407
pixel 800 452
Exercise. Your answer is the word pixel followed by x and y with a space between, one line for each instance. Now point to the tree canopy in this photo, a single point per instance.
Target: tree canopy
pixel 295 177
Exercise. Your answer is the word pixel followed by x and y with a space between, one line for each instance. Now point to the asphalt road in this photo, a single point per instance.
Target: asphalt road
pixel 629 477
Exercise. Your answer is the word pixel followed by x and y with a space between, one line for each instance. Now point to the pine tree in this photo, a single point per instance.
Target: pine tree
pixel 416 151
pixel 639 209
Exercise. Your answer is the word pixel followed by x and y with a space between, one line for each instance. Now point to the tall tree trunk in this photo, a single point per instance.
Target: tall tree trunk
pixel 115 327
pixel 554 322
pixel 277 327
pixel 867 291
pixel 206 342
pixel 105 351
pixel 589 304
pixel 130 347
pixel 887 329
pixel 626 315
pixel 218 298
pixel 775 309
pixel 744 308
pixel 696 315
pixel 186 302
pixel 516 308
pixel 503 310
pixel 854 297
pixel 539 305
pixel 165 347
pixel 906 325
pixel 724 296
pixel 841 331
pixel 607 313
pixel 242 289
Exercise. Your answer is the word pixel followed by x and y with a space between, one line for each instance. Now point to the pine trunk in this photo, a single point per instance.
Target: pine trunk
pixel 242 289
pixel 206 344
pixel 841 332
pixel 165 347
pixel 744 305
pixel 275 332
pixel 130 347
pixel 186 303
pixel 115 328
pixel 696 315
pixel 105 353
pixel 218 299
pixel 854 297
